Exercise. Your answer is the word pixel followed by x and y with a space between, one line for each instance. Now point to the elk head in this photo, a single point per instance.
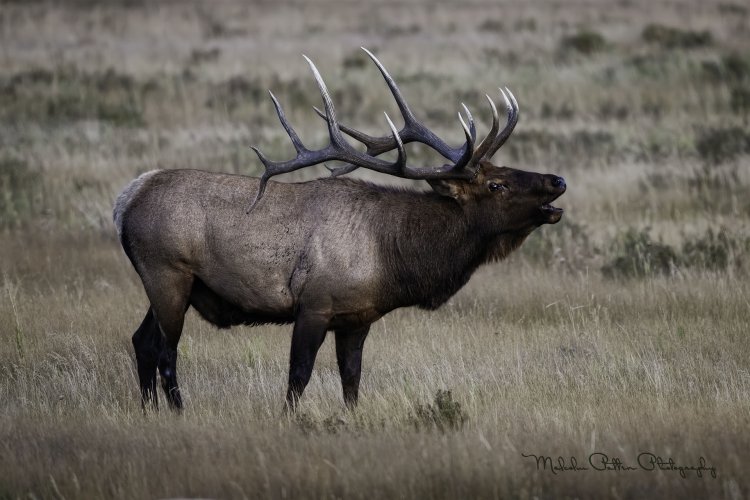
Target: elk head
pixel 501 198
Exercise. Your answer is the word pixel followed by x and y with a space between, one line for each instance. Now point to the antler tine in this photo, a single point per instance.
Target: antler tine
pixel 470 132
pixel 484 146
pixel 401 160
pixel 512 110
pixel 270 167
pixel 333 126
pixel 402 106
pixel 298 146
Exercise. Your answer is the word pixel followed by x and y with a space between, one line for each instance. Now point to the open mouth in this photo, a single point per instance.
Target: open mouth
pixel 550 213
pixel 549 209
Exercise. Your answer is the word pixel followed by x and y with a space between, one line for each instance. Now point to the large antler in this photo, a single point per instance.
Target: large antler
pixel 464 159
pixel 414 131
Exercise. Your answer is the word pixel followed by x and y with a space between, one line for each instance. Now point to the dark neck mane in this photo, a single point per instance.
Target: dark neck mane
pixel 431 247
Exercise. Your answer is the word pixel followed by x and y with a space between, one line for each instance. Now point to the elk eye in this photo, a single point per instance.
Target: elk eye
pixel 494 186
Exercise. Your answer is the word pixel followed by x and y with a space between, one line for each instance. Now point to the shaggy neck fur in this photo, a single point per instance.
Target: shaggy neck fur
pixel 431 246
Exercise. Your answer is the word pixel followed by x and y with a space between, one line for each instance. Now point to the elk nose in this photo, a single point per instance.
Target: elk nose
pixel 559 183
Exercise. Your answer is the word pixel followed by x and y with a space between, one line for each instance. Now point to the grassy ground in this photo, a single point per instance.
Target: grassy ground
pixel 621 330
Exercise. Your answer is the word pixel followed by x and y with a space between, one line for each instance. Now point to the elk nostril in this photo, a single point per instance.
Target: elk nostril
pixel 558 182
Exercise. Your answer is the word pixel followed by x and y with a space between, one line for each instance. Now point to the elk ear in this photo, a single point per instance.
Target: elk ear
pixel 448 187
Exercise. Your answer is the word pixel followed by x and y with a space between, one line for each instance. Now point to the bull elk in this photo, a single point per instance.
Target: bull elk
pixel 329 254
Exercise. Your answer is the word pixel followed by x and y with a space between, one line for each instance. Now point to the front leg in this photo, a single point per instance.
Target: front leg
pixel 349 344
pixel 308 335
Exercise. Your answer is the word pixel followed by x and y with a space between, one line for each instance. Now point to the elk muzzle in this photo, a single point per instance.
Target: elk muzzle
pixel 555 186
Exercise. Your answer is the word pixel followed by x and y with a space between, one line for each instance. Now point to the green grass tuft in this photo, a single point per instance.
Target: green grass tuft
pixel 584 42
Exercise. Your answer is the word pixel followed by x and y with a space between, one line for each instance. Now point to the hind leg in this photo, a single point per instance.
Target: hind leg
pixel 148 344
pixel 169 292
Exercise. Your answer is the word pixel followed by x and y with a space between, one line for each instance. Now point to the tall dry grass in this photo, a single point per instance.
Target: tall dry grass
pixel 622 329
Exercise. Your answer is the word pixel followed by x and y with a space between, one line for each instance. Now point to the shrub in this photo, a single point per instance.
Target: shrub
pixel 740 101
pixel 671 38
pixel 236 91
pixel 611 110
pixel 717 145
pixel 714 250
pixel 637 255
pixel 736 66
pixel 733 9
pixel 492 25
pixel 559 111
pixel 597 142
pixel 527 24
pixel 356 60
pixel 20 188
pixel 200 56
pixel 443 415
pixel 709 251
pixel 733 68
pixel 305 423
pixel 334 424
pixel 399 30
pixel 584 42
pixel 651 65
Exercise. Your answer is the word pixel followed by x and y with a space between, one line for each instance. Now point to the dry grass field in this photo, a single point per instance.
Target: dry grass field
pixel 621 330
